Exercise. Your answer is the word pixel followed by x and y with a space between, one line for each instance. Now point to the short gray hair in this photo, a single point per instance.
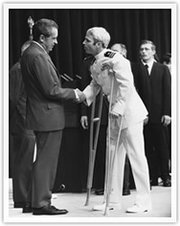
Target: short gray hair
pixel 121 48
pixel 100 34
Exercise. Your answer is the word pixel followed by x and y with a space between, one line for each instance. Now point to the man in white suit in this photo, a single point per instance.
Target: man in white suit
pixel 128 108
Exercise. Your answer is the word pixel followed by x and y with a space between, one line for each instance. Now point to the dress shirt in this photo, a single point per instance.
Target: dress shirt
pixel 149 65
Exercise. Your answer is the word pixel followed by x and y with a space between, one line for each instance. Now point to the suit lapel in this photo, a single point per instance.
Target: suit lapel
pixel 48 57
pixel 153 69
pixel 50 61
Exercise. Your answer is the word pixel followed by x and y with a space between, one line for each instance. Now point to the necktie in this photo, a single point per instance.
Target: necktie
pixel 146 67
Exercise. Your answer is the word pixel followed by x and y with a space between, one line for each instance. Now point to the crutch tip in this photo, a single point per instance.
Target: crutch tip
pixel 86 203
pixel 106 213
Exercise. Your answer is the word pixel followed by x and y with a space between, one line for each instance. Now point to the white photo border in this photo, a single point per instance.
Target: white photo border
pixel 5 115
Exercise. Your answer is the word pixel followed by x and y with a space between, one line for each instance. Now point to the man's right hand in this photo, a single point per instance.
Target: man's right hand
pixel 146 120
pixel 81 97
pixel 84 122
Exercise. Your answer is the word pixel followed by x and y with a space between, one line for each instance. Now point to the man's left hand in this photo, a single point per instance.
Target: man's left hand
pixel 166 120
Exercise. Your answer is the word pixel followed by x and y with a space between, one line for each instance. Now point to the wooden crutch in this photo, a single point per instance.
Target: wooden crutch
pixel 93 143
pixel 110 157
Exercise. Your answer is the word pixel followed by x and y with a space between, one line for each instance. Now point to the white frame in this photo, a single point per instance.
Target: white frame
pixel 5 94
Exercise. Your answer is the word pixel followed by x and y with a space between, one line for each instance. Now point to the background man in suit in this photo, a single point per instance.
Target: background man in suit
pixel 23 140
pixel 45 113
pixel 128 108
pixel 153 82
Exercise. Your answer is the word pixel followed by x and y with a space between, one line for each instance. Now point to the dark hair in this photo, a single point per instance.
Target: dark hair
pixel 166 58
pixel 43 26
pixel 148 42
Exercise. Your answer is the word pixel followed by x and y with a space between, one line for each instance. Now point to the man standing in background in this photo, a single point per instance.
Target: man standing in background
pixel 153 83
pixel 23 140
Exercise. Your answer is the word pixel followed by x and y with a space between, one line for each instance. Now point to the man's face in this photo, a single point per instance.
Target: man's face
pixel 49 42
pixel 146 52
pixel 89 46
pixel 118 48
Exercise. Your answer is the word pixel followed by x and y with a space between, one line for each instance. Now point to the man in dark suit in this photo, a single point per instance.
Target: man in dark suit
pixel 45 113
pixel 23 140
pixel 153 83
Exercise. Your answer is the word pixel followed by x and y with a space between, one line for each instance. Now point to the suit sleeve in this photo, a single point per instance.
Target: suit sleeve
pixel 166 92
pixel 16 91
pixel 91 91
pixel 49 81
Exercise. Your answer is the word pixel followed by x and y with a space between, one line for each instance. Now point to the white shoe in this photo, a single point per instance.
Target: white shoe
pixel 138 209
pixel 102 207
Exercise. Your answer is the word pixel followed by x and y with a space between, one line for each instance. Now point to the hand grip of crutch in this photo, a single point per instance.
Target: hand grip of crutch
pixel 96 119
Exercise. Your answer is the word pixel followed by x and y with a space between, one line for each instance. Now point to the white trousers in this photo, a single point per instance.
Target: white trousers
pixel 131 142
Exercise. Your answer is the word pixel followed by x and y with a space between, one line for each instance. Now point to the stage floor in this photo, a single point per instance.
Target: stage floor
pixel 74 203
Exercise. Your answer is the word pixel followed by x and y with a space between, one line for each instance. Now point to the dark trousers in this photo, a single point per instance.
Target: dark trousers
pixel 157 150
pixel 44 168
pixel 99 168
pixel 23 148
pixel 126 182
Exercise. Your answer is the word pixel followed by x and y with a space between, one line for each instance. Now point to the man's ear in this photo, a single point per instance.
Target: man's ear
pixel 99 44
pixel 41 38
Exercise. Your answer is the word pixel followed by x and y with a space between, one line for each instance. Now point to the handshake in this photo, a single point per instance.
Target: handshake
pixel 80 96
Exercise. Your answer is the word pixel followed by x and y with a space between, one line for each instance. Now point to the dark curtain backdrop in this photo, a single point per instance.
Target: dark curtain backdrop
pixel 128 26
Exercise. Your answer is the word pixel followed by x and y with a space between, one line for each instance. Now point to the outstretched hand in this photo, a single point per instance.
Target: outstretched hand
pixel 81 96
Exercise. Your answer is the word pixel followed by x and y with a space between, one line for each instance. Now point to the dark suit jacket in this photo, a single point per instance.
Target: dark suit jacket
pixel 45 111
pixel 17 102
pixel 155 90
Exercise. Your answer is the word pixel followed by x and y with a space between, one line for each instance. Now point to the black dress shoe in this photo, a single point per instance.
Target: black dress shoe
pixel 27 208
pixel 48 210
pixel 126 192
pixel 167 182
pixel 154 182
pixel 19 204
pixel 99 192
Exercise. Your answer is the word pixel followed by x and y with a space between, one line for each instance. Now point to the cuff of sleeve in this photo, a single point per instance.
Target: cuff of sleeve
pixel 117 109
pixel 77 97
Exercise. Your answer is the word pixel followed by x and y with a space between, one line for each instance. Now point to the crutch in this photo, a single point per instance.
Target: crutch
pixel 93 143
pixel 110 157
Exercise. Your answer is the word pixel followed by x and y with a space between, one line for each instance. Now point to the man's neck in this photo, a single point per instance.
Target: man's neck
pixel 38 43
pixel 99 52
pixel 148 61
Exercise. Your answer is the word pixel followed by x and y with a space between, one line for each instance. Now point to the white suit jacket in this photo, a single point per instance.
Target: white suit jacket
pixel 125 99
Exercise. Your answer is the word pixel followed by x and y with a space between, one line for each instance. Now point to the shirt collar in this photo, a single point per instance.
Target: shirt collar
pixel 37 43
pixel 101 54
pixel 150 64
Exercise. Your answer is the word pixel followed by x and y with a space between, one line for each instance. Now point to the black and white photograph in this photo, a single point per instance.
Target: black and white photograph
pixel 89 112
